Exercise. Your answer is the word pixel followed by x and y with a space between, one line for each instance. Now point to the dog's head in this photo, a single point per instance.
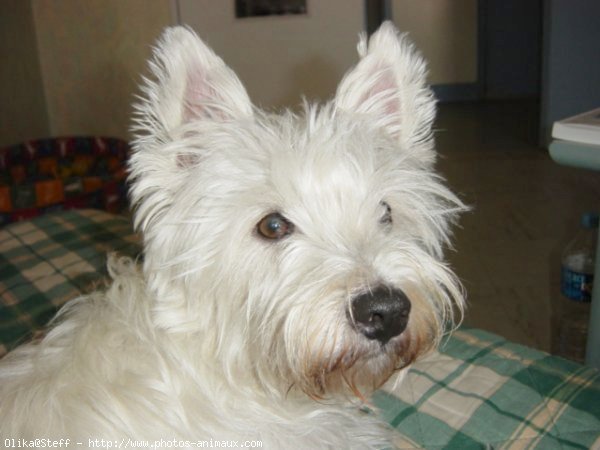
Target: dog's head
pixel 305 249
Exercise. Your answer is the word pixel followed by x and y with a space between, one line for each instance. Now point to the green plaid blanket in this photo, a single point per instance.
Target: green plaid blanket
pixel 481 391
pixel 51 259
pixel 478 391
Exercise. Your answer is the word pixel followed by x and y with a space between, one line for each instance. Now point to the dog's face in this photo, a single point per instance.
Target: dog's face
pixel 305 248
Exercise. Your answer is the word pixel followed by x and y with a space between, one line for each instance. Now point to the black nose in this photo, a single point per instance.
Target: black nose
pixel 381 313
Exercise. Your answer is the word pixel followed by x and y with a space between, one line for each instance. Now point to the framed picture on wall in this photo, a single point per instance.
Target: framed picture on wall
pixel 257 8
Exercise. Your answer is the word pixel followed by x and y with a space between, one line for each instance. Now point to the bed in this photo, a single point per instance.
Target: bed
pixel 477 391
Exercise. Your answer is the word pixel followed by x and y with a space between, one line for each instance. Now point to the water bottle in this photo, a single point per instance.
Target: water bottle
pixel 577 276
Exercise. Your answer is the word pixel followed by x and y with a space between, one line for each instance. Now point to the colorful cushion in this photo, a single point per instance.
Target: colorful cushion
pixel 62 173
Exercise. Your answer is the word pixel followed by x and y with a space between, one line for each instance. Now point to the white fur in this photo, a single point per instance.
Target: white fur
pixel 226 335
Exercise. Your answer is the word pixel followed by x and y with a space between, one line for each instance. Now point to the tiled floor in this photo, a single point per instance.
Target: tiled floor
pixel 525 210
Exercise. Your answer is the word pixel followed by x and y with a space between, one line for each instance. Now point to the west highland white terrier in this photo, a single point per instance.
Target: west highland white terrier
pixel 292 264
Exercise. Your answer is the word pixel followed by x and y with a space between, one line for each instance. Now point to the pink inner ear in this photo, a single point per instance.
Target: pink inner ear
pixel 387 89
pixel 185 160
pixel 198 97
pixel 381 98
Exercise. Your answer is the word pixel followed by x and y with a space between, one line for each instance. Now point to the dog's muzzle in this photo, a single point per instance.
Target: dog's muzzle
pixel 381 313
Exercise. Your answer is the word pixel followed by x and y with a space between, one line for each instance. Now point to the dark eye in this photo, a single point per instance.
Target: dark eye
pixel 387 215
pixel 274 226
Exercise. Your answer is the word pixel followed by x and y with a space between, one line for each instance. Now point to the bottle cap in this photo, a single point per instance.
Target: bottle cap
pixel 589 220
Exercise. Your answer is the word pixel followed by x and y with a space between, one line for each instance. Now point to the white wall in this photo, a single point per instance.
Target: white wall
pixel 280 58
pixel 446 33
pixel 92 55
pixel 23 109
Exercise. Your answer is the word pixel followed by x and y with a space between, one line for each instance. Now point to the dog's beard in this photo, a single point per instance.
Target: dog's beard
pixel 319 352
pixel 356 369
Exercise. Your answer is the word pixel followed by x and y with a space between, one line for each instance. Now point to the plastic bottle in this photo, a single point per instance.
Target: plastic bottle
pixel 577 276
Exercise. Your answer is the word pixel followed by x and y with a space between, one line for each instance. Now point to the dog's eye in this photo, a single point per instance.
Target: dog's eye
pixel 387 215
pixel 274 226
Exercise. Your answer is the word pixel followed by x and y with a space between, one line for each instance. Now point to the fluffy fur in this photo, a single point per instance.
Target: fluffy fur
pixel 222 333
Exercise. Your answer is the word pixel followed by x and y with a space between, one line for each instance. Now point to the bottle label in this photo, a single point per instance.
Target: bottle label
pixel 576 285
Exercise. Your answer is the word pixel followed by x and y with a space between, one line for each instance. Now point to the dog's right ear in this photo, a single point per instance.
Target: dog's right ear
pixel 188 85
pixel 190 82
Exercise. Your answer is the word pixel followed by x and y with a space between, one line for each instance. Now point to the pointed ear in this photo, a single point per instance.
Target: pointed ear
pixel 389 85
pixel 189 83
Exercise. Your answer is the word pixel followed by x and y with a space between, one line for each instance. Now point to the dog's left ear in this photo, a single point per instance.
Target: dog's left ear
pixel 389 86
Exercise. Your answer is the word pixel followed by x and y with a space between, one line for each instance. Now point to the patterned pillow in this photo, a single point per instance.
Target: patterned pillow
pixel 62 173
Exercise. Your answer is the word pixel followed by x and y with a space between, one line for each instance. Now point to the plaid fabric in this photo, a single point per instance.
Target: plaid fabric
pixel 47 175
pixel 51 259
pixel 478 391
pixel 481 391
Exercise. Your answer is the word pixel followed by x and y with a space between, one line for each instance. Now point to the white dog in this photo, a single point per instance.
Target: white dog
pixel 293 263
